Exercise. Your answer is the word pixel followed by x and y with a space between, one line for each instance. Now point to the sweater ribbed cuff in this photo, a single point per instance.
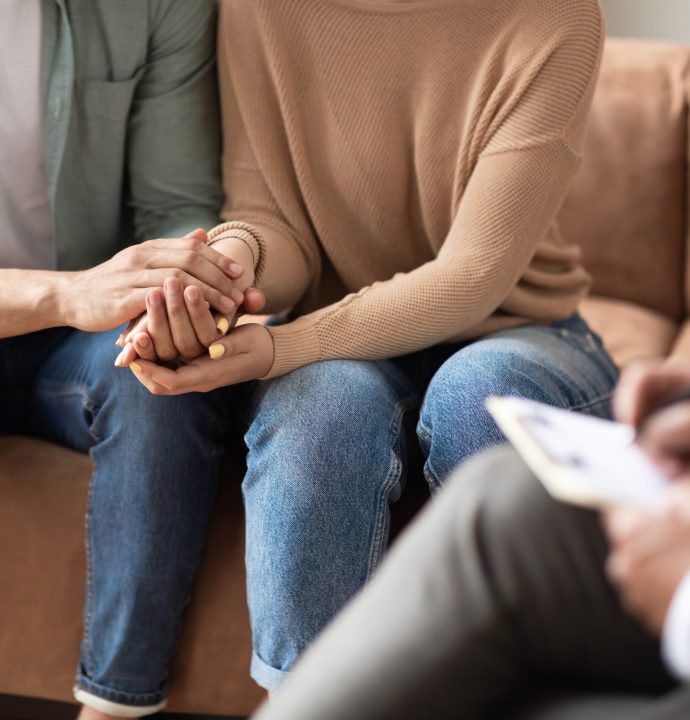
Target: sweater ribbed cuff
pixel 294 347
pixel 249 235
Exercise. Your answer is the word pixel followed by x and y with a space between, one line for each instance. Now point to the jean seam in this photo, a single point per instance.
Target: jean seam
pixel 591 403
pixel 393 476
pixel 88 614
pixel 430 475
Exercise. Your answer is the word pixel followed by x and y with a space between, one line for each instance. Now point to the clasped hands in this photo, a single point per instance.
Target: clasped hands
pixel 180 345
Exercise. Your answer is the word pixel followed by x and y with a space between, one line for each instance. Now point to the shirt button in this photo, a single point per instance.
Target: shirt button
pixel 57 108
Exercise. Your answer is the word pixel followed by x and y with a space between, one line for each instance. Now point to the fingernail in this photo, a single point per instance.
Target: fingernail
pixel 118 360
pixel 135 366
pixel 216 351
pixel 193 293
pixel 223 325
pixel 235 269
pixel 237 296
pixel 154 298
pixel 171 285
pixel 227 303
pixel 120 339
pixel 143 341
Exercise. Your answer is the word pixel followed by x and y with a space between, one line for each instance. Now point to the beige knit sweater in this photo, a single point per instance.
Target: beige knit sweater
pixel 396 165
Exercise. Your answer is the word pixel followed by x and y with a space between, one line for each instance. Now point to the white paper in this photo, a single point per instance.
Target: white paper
pixel 581 459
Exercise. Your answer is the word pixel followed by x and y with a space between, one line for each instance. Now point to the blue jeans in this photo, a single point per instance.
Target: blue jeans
pixel 327 453
pixel 156 470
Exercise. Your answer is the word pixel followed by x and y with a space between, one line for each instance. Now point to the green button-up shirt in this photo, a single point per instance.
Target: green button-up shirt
pixel 131 131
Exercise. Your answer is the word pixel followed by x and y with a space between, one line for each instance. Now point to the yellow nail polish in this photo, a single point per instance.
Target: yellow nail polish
pixel 216 351
pixel 223 326
pixel 135 366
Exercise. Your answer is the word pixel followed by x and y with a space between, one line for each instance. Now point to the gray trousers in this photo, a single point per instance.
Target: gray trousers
pixel 495 592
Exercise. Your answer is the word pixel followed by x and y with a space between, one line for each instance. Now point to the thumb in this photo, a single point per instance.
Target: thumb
pixel 239 341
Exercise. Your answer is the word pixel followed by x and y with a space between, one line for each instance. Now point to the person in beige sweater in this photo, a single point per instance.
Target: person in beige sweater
pixel 393 170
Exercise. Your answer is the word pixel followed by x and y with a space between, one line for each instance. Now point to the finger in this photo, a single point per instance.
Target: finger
pixel 153 387
pixel 622 523
pixel 194 248
pixel 198 234
pixel 159 327
pixel 673 466
pixel 617 567
pixel 176 262
pixel 668 431
pixel 224 323
pixel 677 501
pixel 239 343
pixel 181 327
pixel 654 538
pixel 121 340
pixel 144 347
pixel 204 270
pixel 643 386
pixel 128 355
pixel 156 278
pixel 226 347
pixel 254 301
pixel 175 382
pixel 203 322
pixel 141 325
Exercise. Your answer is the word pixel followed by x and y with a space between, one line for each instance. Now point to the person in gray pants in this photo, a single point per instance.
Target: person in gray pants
pixel 497 589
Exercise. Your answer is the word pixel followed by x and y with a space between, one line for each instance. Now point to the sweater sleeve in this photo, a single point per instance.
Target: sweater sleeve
pixel 511 199
pixel 286 257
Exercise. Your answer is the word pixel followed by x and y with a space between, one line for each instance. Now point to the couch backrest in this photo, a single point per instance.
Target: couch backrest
pixel 629 207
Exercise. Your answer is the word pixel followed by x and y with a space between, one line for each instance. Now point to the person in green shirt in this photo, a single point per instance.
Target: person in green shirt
pixel 109 164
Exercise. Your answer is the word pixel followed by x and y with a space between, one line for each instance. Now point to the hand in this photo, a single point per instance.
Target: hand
pixel 649 559
pixel 665 436
pixel 112 293
pixel 246 354
pixel 180 326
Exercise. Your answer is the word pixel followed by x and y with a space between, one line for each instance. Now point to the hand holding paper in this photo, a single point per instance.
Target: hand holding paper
pixel 581 459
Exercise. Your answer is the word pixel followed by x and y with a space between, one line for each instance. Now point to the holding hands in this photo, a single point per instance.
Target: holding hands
pixel 179 325
pixel 114 292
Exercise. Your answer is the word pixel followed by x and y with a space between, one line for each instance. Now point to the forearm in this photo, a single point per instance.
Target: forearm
pixel 32 300
pixel 477 270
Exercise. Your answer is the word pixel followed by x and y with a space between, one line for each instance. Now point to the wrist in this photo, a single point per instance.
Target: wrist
pixel 237 249
pixel 53 301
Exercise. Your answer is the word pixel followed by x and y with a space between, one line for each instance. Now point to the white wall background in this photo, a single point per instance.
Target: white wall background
pixel 659 19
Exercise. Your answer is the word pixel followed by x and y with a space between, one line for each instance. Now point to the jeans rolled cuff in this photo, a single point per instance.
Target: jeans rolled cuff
pixel 116 702
pixel 266 676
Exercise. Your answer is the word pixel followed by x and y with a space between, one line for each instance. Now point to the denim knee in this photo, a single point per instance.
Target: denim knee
pixel 325 419
pixel 118 402
pixel 325 460
pixel 454 423
pixel 562 365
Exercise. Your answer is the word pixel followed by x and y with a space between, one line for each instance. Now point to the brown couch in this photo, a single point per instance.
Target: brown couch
pixel 628 210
